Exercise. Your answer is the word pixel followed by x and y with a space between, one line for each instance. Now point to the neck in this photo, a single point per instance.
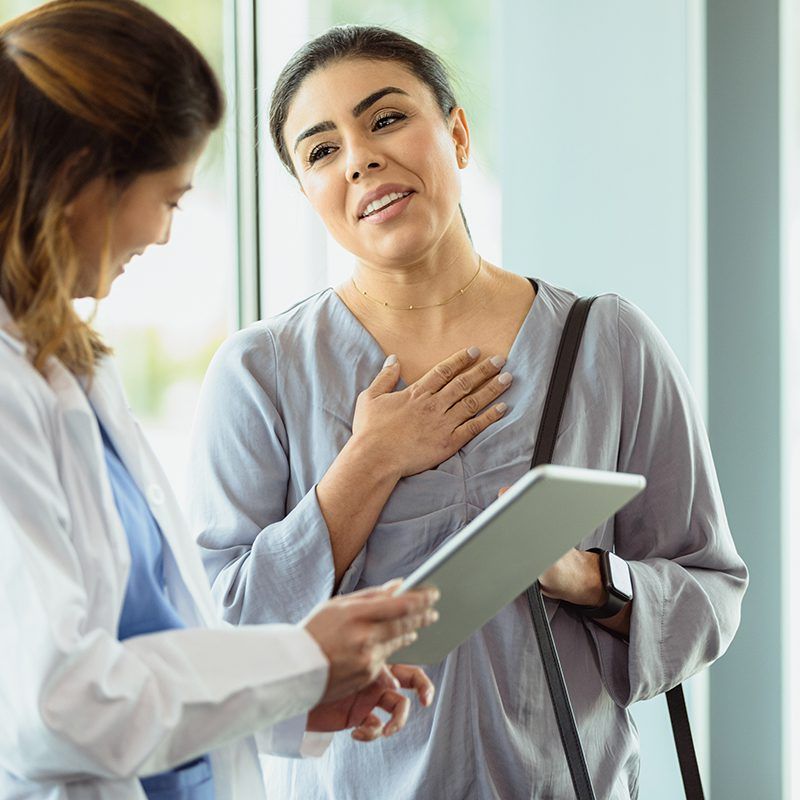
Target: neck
pixel 440 283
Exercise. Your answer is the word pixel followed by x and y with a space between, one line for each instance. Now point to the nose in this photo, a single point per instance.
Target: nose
pixel 164 238
pixel 372 165
pixel 362 160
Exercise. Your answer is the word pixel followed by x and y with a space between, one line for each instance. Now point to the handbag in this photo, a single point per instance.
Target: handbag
pixel 565 717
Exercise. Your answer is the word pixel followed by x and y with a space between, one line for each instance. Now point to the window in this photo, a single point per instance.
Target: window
pixel 175 305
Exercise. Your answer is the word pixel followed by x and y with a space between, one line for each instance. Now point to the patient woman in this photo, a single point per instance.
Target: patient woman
pixel 305 486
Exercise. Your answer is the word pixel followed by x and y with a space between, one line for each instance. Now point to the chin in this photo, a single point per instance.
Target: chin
pixel 400 246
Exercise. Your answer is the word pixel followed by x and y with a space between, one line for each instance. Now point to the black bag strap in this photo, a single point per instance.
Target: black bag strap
pixel 543 454
pixel 684 744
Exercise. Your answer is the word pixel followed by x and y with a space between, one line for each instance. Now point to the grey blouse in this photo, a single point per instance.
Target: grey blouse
pixel 275 410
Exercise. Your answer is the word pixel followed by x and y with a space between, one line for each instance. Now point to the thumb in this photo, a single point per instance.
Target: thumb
pixel 386 379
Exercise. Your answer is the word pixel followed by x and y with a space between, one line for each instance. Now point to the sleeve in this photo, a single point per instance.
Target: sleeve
pixel 290 739
pixel 688 579
pixel 77 703
pixel 266 562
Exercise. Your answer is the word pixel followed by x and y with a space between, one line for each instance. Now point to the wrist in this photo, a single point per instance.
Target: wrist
pixel 374 456
pixel 593 591
pixel 616 588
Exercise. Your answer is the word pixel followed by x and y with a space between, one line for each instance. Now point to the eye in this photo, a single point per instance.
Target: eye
pixel 320 151
pixel 387 118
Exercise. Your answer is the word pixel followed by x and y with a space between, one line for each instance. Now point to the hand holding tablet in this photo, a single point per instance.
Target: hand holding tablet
pixel 483 567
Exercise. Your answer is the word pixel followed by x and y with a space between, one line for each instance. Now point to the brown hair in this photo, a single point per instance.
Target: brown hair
pixel 88 89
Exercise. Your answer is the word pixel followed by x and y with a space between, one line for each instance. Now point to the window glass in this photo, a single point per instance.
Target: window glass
pixel 174 306
pixel 11 8
pixel 168 313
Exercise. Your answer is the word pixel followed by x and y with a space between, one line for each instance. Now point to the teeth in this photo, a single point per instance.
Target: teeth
pixel 377 205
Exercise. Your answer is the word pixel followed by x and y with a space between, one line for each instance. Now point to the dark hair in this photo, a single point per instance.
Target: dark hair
pixel 354 41
pixel 112 89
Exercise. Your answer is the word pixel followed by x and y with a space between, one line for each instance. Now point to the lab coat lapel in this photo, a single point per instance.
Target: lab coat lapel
pixel 108 399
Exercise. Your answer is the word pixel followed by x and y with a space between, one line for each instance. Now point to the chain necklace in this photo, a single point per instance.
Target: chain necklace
pixel 419 308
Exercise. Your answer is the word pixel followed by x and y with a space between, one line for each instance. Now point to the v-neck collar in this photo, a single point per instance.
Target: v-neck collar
pixel 369 344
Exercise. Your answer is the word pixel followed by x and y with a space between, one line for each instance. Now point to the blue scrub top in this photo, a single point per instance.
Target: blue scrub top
pixel 147 609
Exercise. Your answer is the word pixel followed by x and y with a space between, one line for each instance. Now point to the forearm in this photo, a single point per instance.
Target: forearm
pixel 351 496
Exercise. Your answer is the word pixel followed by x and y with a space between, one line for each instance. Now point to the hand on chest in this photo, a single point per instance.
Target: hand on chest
pixel 420 352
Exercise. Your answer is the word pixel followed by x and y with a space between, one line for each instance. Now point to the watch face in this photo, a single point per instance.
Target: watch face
pixel 620 577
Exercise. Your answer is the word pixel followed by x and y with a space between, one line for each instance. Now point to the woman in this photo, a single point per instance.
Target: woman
pixel 304 481
pixel 114 665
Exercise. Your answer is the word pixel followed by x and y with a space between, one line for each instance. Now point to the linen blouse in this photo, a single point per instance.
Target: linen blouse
pixel 276 408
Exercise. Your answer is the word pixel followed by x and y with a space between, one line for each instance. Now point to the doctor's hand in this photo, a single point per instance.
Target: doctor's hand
pixel 357 632
pixel 424 424
pixel 357 710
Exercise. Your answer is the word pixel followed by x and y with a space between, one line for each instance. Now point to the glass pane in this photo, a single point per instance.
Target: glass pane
pixel 174 306
pixel 11 8
pixel 466 34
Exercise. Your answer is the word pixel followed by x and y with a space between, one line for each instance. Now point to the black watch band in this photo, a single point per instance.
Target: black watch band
pixel 616 580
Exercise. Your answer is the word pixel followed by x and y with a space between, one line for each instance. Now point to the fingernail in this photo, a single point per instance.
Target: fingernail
pixel 390 361
pixel 473 352
pixel 497 361
pixel 501 408
pixel 358 735
pixel 433 616
pixel 505 378
pixel 412 637
pixel 390 730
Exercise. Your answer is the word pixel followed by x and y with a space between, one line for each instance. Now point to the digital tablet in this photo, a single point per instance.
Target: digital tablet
pixel 498 555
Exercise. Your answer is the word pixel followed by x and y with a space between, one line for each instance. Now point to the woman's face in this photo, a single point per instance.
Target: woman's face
pixel 377 159
pixel 104 222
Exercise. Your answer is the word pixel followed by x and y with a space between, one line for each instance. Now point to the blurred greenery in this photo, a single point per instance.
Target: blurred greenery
pixel 147 369
pixel 202 22
pixel 458 31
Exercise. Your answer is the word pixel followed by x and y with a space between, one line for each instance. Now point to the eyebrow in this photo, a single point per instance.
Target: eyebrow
pixel 357 110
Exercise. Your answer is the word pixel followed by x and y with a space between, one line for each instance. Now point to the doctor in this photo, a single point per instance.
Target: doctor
pixel 116 679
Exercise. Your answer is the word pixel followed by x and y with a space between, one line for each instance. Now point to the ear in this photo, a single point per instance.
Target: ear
pixel 459 130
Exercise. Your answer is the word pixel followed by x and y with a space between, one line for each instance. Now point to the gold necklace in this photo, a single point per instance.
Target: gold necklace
pixel 419 308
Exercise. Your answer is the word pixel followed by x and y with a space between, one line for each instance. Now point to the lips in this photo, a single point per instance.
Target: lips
pixel 380 198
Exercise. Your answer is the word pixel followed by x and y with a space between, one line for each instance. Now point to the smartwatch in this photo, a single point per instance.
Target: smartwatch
pixel 615 575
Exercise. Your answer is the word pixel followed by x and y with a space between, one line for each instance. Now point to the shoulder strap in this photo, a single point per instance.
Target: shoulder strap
pixel 543 454
pixel 684 744
pixel 559 381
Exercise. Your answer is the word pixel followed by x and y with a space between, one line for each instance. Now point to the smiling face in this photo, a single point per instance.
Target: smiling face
pixel 110 228
pixel 377 159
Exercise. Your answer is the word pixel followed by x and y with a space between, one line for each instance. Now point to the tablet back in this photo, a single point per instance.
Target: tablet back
pixel 483 567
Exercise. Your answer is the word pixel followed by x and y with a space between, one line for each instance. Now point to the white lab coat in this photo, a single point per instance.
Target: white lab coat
pixel 82 714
